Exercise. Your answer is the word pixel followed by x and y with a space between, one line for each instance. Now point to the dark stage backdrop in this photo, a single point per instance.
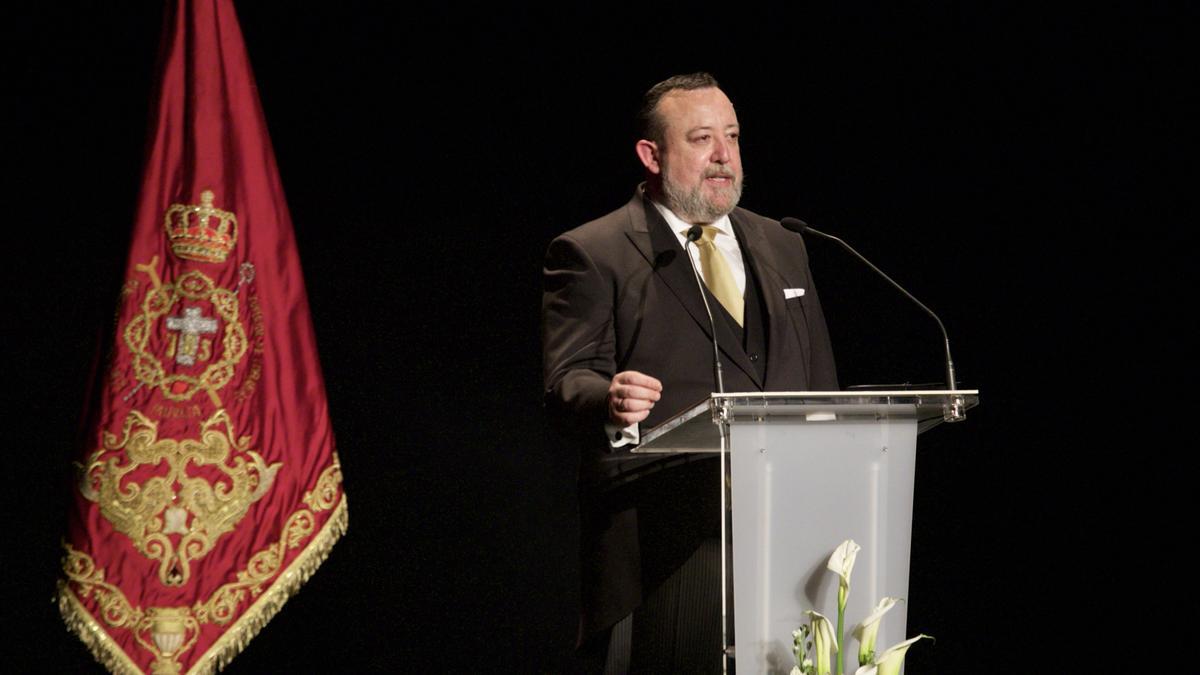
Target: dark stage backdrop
pixel 1006 166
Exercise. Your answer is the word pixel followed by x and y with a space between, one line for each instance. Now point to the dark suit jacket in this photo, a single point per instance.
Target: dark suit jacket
pixel 619 294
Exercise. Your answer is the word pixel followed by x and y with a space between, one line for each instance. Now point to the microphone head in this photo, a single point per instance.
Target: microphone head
pixel 794 224
pixel 694 233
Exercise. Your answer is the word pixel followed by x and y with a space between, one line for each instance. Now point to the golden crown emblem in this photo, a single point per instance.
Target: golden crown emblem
pixel 203 232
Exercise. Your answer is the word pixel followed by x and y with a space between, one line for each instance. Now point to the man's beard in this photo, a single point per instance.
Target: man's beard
pixel 693 206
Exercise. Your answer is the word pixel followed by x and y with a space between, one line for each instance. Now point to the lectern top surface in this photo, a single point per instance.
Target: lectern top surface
pixel 698 429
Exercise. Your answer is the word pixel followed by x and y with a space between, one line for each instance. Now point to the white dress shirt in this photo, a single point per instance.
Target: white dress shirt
pixel 725 241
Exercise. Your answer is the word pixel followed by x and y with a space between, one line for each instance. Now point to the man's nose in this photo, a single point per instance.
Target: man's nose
pixel 722 151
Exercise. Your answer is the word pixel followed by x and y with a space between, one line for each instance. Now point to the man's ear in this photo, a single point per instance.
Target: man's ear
pixel 647 151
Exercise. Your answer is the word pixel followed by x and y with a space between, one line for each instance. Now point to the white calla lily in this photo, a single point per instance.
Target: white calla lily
pixel 824 641
pixel 868 630
pixel 892 658
pixel 842 561
pixel 827 639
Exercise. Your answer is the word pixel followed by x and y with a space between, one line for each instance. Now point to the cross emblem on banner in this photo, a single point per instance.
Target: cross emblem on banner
pixel 191 325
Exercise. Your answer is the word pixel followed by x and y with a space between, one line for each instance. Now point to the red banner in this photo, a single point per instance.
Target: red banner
pixel 211 488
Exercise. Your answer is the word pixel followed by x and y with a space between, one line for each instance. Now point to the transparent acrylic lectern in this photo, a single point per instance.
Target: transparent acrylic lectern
pixel 806 471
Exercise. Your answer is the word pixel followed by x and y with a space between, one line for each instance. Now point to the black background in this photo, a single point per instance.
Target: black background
pixel 1011 167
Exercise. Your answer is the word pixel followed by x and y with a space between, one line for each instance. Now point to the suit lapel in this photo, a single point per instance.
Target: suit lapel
pixel 762 261
pixel 654 239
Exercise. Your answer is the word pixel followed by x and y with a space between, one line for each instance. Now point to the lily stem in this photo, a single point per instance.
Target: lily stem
pixel 842 592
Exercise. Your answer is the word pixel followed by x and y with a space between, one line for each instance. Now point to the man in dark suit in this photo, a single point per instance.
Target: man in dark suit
pixel 628 344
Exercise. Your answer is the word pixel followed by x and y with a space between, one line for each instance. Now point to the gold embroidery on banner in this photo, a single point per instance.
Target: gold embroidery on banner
pixel 111 603
pixel 189 345
pixel 171 630
pixel 168 632
pixel 263 567
pixel 324 494
pixel 203 233
pixel 176 502
pixel 266 563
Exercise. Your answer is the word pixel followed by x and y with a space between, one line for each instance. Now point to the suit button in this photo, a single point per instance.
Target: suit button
pixel 753 358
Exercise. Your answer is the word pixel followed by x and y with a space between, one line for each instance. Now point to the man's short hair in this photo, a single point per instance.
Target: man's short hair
pixel 650 124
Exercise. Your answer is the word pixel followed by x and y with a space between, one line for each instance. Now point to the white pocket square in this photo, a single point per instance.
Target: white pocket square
pixel 789 293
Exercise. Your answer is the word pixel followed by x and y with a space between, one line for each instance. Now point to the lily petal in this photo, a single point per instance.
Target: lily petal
pixel 885 604
pixel 892 658
pixel 842 560
pixel 868 630
pixel 824 641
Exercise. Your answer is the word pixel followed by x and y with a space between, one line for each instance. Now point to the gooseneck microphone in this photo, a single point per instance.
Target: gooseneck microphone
pixel 955 410
pixel 693 235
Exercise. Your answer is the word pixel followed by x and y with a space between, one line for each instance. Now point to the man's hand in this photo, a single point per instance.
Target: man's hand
pixel 631 396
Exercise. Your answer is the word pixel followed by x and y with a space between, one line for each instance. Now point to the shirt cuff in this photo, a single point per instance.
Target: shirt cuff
pixel 620 437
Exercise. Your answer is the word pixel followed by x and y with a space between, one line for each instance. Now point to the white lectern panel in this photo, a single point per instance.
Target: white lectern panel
pixel 800 488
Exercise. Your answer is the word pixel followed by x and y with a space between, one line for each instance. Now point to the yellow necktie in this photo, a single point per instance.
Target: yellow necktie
pixel 717 275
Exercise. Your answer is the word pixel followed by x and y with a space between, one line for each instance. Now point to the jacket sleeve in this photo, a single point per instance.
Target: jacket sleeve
pixel 578 353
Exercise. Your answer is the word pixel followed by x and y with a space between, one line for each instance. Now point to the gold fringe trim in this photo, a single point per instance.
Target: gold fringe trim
pixel 106 652
pixel 233 641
